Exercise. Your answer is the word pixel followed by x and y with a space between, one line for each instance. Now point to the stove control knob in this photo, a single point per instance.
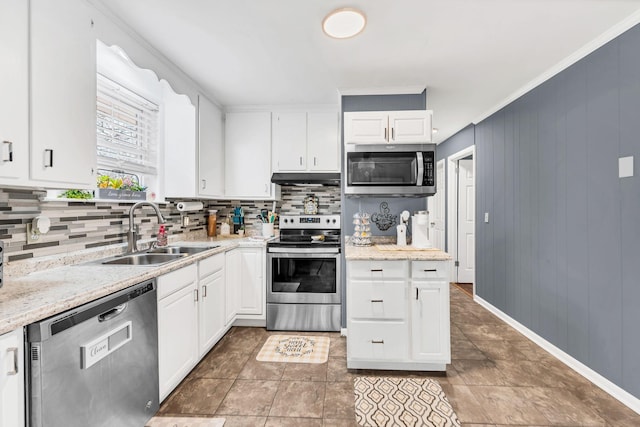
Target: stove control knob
pixel 334 220
pixel 328 220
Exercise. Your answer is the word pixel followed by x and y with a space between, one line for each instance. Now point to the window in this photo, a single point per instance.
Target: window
pixel 127 131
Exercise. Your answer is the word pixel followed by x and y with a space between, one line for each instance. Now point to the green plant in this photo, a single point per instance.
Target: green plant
pixel 77 194
pixel 126 183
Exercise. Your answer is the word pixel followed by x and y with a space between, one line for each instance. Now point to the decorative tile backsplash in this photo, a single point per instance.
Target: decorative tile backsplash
pixel 87 224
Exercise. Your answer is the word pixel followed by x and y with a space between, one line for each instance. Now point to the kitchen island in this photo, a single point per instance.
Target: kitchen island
pixel 397 307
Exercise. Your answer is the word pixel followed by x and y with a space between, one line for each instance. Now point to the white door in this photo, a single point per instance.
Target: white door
pixel 430 322
pixel 466 226
pixel 436 209
pixel 368 127
pixel 251 288
pixel 211 310
pixel 12 379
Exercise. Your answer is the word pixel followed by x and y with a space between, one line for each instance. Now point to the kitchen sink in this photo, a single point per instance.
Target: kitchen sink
pixel 145 259
pixel 181 249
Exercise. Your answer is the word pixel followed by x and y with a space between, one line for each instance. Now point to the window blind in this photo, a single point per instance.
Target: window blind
pixel 127 129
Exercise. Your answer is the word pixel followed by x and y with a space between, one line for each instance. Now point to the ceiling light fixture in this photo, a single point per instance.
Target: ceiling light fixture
pixel 344 23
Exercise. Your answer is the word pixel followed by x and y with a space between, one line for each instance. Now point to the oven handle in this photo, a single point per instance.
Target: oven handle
pixel 303 250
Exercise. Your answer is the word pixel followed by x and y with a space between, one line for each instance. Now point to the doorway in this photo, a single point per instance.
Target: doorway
pixel 461 169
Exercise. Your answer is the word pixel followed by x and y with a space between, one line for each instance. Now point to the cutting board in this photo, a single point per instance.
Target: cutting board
pixel 390 247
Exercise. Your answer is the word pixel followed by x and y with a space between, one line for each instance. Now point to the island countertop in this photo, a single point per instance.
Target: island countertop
pixel 385 250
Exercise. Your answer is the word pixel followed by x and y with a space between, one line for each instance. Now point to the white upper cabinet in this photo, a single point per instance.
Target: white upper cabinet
pixel 383 127
pixel 289 141
pixel 14 87
pixel 211 149
pixel 63 94
pixel 305 142
pixel 248 156
pixel 323 145
pixel 179 119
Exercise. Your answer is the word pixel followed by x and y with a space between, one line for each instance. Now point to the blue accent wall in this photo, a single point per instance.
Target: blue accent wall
pixel 561 252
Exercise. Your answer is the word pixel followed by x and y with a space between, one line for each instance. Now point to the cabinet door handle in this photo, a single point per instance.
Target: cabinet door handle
pixel 204 291
pixel 13 350
pixel 204 184
pixel 393 134
pixel 385 134
pixel 377 300
pixel 195 295
pixel 430 270
pixel 315 161
pixel 300 160
pixel 417 291
pixel 48 158
pixel 377 341
pixel 266 188
pixel 9 146
pixel 376 270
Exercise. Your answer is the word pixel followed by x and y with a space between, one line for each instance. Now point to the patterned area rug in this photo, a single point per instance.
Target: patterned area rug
pixel 410 402
pixel 185 422
pixel 295 348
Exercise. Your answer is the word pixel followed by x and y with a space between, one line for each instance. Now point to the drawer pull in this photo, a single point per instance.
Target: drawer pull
pixel 417 290
pixel 376 270
pixel 430 270
pixel 377 341
pixel 377 300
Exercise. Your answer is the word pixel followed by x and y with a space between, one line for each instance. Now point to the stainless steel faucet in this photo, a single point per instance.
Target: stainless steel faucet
pixel 132 234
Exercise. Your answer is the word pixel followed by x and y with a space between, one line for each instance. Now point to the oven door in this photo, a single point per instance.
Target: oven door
pixel 303 275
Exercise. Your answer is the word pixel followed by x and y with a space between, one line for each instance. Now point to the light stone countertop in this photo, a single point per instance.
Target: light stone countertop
pixel 375 252
pixel 61 283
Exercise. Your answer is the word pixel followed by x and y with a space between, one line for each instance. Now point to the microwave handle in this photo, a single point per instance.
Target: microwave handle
pixel 420 177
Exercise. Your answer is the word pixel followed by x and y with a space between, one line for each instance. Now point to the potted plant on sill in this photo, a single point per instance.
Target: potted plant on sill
pixel 120 186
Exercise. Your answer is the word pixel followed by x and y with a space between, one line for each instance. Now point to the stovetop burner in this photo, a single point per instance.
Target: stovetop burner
pixel 308 231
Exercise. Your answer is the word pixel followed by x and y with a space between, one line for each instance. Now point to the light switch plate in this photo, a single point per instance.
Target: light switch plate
pixel 625 167
pixel 486 217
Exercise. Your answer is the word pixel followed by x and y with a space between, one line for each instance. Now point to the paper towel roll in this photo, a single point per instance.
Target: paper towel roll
pixel 189 206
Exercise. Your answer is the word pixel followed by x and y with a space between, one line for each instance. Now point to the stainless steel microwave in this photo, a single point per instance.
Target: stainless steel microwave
pixel 390 169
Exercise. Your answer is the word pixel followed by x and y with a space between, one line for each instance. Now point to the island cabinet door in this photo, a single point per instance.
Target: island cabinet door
pixel 430 327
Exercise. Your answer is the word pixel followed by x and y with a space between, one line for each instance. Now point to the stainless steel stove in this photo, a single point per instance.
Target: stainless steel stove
pixel 303 274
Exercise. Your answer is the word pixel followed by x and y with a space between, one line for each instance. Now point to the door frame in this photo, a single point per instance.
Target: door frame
pixel 452 201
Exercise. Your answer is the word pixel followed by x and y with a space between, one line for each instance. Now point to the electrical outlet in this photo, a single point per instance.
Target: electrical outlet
pixel 32 236
pixel 185 221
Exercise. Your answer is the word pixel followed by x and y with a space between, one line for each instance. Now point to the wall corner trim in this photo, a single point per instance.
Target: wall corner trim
pixel 612 389
pixel 576 56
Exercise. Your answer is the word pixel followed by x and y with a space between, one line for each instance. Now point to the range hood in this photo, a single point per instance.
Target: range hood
pixel 306 178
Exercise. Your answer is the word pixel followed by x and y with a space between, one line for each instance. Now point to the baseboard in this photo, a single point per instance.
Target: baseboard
pixel 343 332
pixel 614 390
pixel 261 323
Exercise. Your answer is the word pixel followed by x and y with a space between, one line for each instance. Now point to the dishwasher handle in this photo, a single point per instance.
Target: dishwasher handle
pixel 114 312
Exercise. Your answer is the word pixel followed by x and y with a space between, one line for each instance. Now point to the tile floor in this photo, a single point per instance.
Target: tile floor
pixel 497 377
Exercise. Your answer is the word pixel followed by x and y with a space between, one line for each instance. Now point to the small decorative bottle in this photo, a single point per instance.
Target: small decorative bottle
pixel 162 236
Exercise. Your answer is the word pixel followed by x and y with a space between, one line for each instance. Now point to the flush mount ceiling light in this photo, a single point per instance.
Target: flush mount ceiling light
pixel 344 23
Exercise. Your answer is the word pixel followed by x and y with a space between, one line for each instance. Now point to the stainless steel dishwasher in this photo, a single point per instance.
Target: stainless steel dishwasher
pixel 96 365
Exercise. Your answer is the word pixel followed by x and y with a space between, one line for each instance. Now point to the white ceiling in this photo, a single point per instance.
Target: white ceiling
pixel 471 55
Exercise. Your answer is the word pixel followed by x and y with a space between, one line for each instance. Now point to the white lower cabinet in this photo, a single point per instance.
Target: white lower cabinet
pixel 191 318
pixel 12 379
pixel 212 304
pixel 251 283
pixel 430 332
pixel 177 327
pixel 232 267
pixel 398 315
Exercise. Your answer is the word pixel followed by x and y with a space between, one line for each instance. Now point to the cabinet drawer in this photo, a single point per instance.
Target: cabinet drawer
pixel 176 280
pixel 377 300
pixel 377 270
pixel 210 265
pixel 377 340
pixel 430 270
